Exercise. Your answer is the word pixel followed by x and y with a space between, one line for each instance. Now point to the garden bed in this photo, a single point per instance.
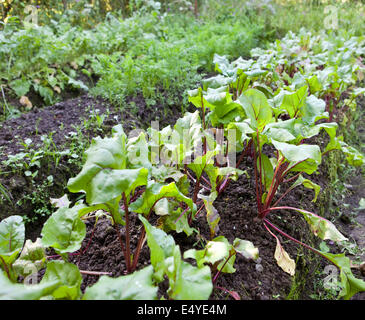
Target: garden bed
pixel 260 280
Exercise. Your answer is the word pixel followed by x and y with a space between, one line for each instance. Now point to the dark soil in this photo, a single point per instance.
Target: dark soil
pixel 260 280
pixel 60 122
pixel 56 121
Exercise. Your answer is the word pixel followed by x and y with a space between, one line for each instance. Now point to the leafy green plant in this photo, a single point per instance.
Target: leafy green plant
pixel 111 174
pixel 268 108
pixel 64 232
pixel 221 255
pixel 12 233
pixel 274 103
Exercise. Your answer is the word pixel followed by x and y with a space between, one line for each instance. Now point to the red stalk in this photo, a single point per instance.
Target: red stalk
pixel 291 238
pixel 127 235
pixel 220 270
pixel 258 196
pixel 273 182
pixel 140 242
pixel 260 156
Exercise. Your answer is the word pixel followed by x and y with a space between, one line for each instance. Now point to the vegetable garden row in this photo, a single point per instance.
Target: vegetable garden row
pixel 274 109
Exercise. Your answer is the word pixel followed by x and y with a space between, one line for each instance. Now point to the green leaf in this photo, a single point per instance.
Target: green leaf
pixel 103 154
pixel 161 247
pixel 323 246
pixel 223 109
pixel 243 130
pixel 357 91
pixel 177 221
pixel 212 216
pixel 313 110
pixel 265 89
pixel 162 173
pixel 180 143
pixel 295 130
pixel 46 93
pixel 222 65
pixel 108 184
pixel 267 170
pixel 189 127
pixel 216 82
pixel 256 107
pixel 321 227
pixel 314 84
pixel 200 163
pixel 61 202
pixel 17 291
pixel 136 286
pixel 292 102
pixel 215 251
pixel 138 153
pixel 282 131
pixel 67 275
pixel 162 207
pixel 77 84
pixel 186 281
pixel 20 86
pixel 64 230
pixel 361 204
pixel 353 156
pixel 350 284
pixel 155 192
pixel 196 97
pixel 303 157
pixel 12 235
pixel 308 184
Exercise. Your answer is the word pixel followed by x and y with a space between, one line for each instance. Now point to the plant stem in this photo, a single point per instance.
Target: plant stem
pixel 5 267
pixel 5 103
pixel 95 273
pixel 260 162
pixel 231 293
pixel 91 238
pixel 204 126
pixel 288 190
pixel 200 209
pixel 292 178
pixel 283 196
pixel 224 264
pixel 192 178
pixel 290 168
pixel 278 180
pixel 127 234
pixel 273 182
pixel 181 215
pixel 206 180
pixel 220 187
pixel 258 196
pixel 293 239
pixel 140 242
